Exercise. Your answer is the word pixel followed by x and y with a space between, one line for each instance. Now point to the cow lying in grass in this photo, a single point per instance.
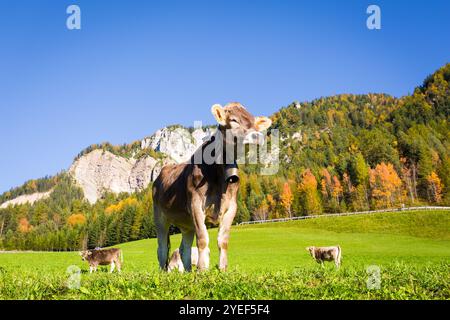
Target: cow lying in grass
pixel 113 257
pixel 321 254
pixel 175 261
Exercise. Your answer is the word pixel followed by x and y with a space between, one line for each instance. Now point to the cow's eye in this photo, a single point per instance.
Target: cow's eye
pixel 234 120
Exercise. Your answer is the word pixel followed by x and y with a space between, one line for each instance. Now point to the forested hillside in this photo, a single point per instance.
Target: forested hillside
pixel 341 153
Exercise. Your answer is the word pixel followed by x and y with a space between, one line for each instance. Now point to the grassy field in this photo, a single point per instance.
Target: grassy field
pixel 412 250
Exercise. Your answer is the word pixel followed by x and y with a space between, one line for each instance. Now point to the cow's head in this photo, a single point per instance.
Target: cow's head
pixel 311 250
pixel 240 124
pixel 85 254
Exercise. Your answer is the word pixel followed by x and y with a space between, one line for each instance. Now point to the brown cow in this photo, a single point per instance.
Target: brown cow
pixel 185 195
pixel 321 254
pixel 113 257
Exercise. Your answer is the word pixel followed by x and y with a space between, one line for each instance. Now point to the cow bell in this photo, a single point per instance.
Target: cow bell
pixel 231 173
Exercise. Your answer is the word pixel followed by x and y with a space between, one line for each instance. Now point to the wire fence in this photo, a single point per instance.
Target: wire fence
pixel 344 214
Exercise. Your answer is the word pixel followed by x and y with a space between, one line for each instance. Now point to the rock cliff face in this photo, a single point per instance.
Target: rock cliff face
pixel 28 198
pixel 101 171
pixel 179 144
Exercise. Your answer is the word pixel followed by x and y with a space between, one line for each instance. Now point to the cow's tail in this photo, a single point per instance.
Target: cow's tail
pixel 339 255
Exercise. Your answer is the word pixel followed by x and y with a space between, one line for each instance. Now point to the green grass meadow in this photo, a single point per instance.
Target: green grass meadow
pixel 267 261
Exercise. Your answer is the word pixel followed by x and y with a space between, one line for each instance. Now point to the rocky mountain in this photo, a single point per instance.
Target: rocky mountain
pixel 101 171
pixel 177 143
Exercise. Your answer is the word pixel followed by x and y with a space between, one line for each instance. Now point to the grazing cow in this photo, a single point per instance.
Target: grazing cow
pixel 206 187
pixel 113 257
pixel 321 254
pixel 175 261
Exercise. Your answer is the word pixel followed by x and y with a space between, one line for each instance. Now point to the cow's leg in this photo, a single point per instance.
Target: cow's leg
pixel 186 249
pixel 91 269
pixel 180 266
pixel 337 262
pixel 201 233
pixel 339 258
pixel 112 267
pixel 203 248
pixel 224 235
pixel 162 232
pixel 118 265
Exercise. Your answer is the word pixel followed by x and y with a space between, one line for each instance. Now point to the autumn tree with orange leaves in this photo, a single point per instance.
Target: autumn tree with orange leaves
pixel 77 219
pixel 309 194
pixel 385 185
pixel 272 207
pixel 24 225
pixel 286 199
pixel 434 187
pixel 332 191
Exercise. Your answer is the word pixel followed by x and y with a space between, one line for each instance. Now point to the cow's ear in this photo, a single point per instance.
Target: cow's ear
pixel 80 253
pixel 89 253
pixel 262 123
pixel 219 114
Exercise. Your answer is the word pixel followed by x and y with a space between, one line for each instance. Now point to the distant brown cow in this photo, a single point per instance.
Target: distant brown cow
pixel 321 254
pixel 113 257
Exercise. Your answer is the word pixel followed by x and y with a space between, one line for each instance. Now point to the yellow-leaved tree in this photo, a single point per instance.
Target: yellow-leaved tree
pixel 24 225
pixel 309 194
pixel 286 199
pixel 434 187
pixel 385 185
pixel 76 219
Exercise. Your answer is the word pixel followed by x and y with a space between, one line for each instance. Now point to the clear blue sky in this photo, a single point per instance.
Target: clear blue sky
pixel 138 66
